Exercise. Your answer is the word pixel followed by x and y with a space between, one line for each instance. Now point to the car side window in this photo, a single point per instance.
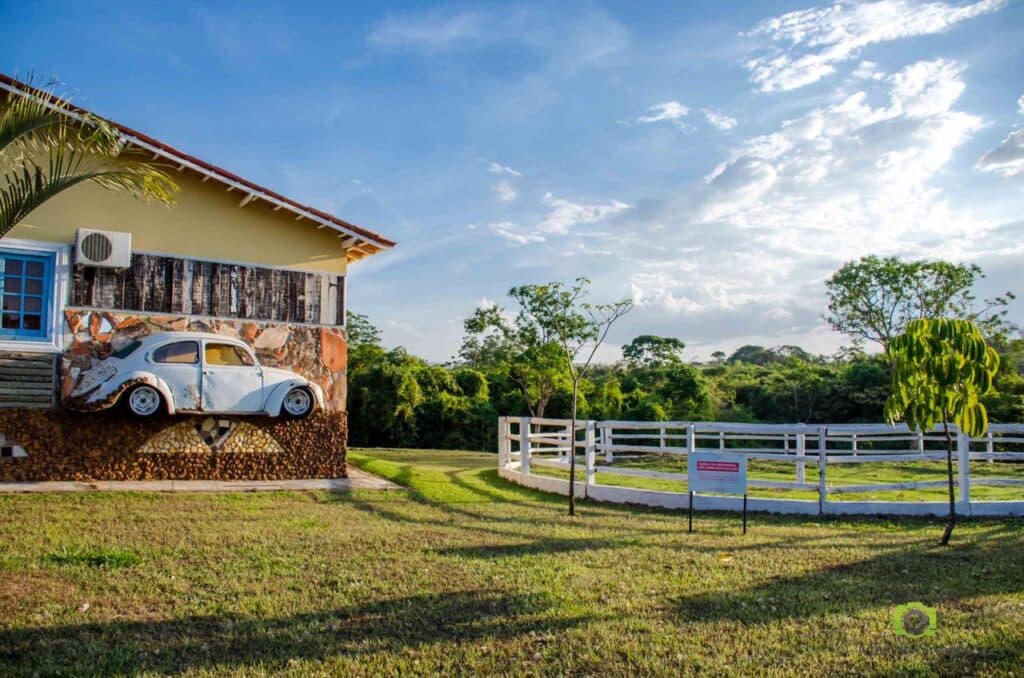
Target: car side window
pixel 178 353
pixel 227 354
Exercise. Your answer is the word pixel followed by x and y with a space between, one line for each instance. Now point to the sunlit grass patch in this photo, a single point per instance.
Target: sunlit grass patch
pixel 93 557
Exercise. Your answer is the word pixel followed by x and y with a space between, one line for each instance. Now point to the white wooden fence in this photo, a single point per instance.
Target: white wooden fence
pixel 529 443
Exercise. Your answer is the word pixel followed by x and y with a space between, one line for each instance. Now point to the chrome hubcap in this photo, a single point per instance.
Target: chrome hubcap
pixel 297 402
pixel 144 401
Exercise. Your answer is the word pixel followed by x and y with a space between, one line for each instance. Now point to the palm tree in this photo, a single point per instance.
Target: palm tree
pixel 47 146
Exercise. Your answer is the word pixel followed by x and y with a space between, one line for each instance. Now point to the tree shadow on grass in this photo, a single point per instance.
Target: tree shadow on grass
pixel 227 642
pixel 518 527
pixel 928 574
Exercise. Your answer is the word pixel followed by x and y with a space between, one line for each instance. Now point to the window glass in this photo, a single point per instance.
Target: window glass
pixel 227 354
pixel 26 284
pixel 181 352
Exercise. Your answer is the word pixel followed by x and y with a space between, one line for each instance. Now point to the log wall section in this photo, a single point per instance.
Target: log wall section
pixel 158 284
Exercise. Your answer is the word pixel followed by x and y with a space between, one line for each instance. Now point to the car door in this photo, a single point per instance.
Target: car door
pixel 232 379
pixel 177 363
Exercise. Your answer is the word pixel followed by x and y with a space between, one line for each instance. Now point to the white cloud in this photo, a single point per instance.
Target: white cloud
pixel 430 32
pixel 505 191
pixel 498 168
pixel 656 289
pixel 562 216
pixel 738 187
pixel 1006 159
pixel 669 111
pixel 858 176
pixel 868 70
pixel 509 231
pixel 927 88
pixel 719 120
pixel 866 163
pixel 1020 104
pixel 565 214
pixel 816 40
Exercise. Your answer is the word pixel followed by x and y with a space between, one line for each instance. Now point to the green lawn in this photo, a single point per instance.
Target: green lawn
pixel 463 574
pixel 837 475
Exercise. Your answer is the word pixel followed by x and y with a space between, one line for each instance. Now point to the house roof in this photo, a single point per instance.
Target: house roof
pixel 359 242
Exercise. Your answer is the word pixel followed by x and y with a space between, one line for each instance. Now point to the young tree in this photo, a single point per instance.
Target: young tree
pixel 518 348
pixel 360 330
pixel 873 299
pixel 649 350
pixel 575 325
pixel 43 152
pixel 941 369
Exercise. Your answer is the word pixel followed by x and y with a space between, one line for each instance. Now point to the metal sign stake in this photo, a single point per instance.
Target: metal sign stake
pixel 744 514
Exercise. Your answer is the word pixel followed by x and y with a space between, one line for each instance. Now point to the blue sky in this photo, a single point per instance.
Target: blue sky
pixel 713 161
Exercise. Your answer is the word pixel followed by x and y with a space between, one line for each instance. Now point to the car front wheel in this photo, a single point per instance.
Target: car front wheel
pixel 298 403
pixel 144 401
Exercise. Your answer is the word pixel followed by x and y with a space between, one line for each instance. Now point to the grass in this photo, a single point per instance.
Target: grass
pixel 461 573
pixel 93 557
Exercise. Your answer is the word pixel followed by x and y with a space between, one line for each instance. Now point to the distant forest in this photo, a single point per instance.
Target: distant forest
pixel 505 367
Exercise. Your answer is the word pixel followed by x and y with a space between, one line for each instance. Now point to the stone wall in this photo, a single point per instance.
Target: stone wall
pixel 110 445
pixel 315 352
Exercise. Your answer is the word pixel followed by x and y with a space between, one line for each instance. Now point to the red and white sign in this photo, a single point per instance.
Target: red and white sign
pixel 718 472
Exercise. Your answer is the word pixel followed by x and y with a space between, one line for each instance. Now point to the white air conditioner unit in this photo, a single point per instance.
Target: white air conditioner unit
pixel 103 249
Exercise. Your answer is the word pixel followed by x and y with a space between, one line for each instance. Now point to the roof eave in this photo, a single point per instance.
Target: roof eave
pixel 358 242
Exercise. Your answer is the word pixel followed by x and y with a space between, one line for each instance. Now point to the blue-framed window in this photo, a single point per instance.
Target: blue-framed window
pixel 26 293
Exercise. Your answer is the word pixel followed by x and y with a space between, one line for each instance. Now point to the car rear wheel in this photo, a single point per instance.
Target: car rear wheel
pixel 144 401
pixel 298 403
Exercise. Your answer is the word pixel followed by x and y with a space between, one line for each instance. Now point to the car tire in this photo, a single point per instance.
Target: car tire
pixel 298 403
pixel 144 401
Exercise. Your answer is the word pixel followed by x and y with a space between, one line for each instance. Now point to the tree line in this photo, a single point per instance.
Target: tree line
pixel 510 363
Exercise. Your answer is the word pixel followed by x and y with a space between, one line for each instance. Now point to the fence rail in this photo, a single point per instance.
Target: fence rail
pixel 608 448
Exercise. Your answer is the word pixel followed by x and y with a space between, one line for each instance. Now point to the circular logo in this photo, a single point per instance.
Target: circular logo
pixel 914 619
pixel 915 622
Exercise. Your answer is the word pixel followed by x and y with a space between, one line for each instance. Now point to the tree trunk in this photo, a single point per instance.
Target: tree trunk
pixel 572 453
pixel 948 532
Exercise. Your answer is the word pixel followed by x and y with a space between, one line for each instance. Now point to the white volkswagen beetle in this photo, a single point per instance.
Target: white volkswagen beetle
pixel 193 372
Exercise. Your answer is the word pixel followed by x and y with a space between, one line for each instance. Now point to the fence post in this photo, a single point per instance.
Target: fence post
pixel 990 447
pixel 503 442
pixel 963 468
pixel 524 445
pixel 661 436
pixel 721 440
pixel 606 440
pixel 801 452
pixel 853 444
pixel 822 462
pixel 589 453
pixel 691 440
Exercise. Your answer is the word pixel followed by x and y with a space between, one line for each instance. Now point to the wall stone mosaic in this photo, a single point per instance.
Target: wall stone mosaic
pixel 212 435
pixel 66 445
pixel 10 449
pixel 317 353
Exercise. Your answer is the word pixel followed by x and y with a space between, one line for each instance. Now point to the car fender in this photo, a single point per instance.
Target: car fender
pixel 276 397
pixel 108 394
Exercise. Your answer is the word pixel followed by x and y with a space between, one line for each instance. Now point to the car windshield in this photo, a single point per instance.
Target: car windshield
pixel 227 354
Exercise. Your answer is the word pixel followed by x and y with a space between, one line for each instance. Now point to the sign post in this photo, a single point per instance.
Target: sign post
pixel 718 472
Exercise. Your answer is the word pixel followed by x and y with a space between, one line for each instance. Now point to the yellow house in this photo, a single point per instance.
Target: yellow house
pixel 234 267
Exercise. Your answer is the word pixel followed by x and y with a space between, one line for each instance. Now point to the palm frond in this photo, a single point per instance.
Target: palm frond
pixel 32 120
pixel 45 149
pixel 32 184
